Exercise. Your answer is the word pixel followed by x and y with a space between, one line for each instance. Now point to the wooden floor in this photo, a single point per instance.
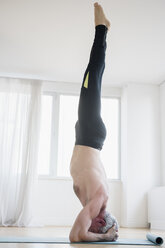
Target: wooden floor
pixel 63 232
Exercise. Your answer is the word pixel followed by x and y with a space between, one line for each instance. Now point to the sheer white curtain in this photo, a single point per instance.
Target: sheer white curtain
pixel 20 108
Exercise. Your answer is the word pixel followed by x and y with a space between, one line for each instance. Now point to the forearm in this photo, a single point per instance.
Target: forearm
pixel 89 236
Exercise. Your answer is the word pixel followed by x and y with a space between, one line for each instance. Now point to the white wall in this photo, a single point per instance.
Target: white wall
pixel 162 113
pixel 56 203
pixel 140 151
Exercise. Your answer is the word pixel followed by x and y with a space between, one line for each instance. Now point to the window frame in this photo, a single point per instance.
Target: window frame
pixel 54 90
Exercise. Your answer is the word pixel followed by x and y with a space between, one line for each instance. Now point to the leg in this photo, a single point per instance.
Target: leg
pixel 90 96
pixel 90 129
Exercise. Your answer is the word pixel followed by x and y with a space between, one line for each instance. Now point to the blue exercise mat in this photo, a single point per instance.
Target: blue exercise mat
pixel 151 240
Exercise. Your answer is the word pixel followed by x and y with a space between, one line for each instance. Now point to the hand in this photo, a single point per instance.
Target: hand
pixel 112 233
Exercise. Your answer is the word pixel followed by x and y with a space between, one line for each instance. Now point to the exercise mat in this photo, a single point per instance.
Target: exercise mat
pixel 151 240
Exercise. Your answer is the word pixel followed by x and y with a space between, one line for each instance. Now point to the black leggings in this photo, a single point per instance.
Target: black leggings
pixel 90 129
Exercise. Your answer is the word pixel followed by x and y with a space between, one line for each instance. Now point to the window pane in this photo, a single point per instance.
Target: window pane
pixel 67 120
pixel 45 136
pixel 110 152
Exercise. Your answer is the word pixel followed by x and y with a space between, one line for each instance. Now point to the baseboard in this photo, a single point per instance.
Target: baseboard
pixel 137 223
pixel 159 225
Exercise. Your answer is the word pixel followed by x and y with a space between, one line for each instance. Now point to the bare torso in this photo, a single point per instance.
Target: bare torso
pixel 88 174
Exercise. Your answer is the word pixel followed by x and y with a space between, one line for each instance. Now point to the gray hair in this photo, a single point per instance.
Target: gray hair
pixel 110 221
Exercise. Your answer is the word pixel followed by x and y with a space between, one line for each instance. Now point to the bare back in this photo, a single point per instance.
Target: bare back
pixel 88 173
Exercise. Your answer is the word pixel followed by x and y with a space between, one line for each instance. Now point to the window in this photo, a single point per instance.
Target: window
pixel 66 138
pixel 57 137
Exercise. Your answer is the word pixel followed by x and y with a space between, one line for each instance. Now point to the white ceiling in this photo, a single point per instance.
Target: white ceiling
pixel 51 39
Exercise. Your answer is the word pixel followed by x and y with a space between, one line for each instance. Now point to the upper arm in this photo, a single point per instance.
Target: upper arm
pixel 95 205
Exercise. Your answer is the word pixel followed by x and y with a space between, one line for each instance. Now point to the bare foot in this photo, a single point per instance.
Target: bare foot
pixel 100 18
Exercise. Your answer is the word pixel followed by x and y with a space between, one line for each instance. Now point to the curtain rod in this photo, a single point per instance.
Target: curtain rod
pixel 53 81
pixel 27 78
pixel 34 78
pixel 46 80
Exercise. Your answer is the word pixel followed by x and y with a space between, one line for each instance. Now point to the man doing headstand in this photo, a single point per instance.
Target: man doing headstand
pixel 87 171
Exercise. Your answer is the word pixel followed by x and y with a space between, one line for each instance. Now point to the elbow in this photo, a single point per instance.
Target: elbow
pixel 73 238
pixel 77 238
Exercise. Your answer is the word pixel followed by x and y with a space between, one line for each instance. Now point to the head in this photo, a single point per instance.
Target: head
pixel 103 222
pixel 98 223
